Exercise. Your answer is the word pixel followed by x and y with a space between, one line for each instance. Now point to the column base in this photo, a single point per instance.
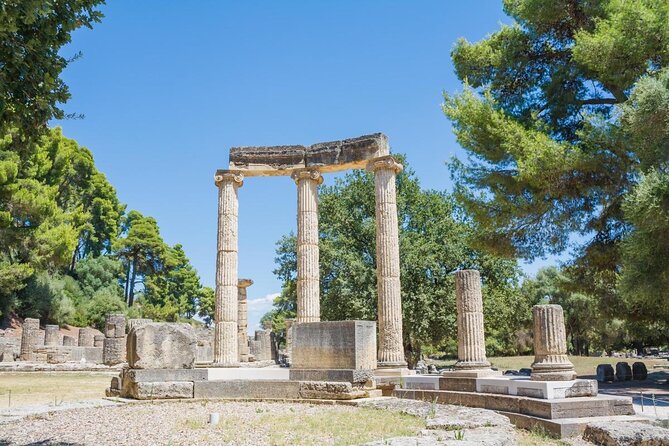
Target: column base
pixel 393 371
pixel 222 365
pixel 553 372
pixel 470 373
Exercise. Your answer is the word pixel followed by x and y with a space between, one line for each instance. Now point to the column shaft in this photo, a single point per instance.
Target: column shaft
pixel 308 274
pixel 225 332
pixel 550 345
pixel 242 319
pixel 391 347
pixel 471 336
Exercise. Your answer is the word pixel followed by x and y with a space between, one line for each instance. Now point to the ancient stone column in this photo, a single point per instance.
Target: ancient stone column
pixel 86 337
pixel 29 338
pixel 550 345
pixel 391 349
pixel 51 337
pixel 69 341
pixel 289 339
pixel 264 337
pixel 98 341
pixel 242 319
pixel 225 331
pixel 308 277
pixel 114 340
pixel 471 337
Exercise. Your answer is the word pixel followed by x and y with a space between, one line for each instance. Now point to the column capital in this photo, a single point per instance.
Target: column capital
pixel 307 174
pixel 384 162
pixel 235 176
pixel 244 283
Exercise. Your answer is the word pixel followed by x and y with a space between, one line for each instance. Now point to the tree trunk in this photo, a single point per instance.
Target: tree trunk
pixel 126 288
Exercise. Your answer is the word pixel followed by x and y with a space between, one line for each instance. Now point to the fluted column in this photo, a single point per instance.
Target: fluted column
pixel 391 347
pixel 242 319
pixel 308 278
pixel 225 332
pixel 550 345
pixel 471 337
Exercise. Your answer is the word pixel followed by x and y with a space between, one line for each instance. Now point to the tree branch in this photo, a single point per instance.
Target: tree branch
pixel 599 101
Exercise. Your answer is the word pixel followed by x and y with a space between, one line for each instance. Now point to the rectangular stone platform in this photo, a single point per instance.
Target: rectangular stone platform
pixel 279 389
pixel 566 427
pixel 247 373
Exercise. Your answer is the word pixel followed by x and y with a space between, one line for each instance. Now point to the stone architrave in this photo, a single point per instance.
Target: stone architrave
pixel 308 278
pixel 471 336
pixel 86 337
pixel 550 345
pixel 29 338
pixel 226 346
pixel 242 318
pixel 391 350
pixel 51 335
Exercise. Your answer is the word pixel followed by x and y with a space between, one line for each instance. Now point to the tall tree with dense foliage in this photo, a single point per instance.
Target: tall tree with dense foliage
pixel 563 115
pixel 433 244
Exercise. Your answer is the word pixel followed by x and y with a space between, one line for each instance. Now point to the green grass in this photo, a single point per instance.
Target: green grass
pixel 37 388
pixel 585 365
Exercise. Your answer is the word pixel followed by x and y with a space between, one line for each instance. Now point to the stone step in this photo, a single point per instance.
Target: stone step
pixel 565 427
pixel 578 407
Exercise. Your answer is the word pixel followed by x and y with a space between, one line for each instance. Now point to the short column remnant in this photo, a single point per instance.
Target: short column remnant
pixel 114 340
pixel 51 335
pixel 623 371
pixel 289 341
pixel 471 335
pixel 98 341
pixel 550 345
pixel 69 341
pixel 29 338
pixel 639 371
pixel 605 373
pixel 391 349
pixel 308 275
pixel 160 363
pixel 242 318
pixel 86 337
pixel 225 331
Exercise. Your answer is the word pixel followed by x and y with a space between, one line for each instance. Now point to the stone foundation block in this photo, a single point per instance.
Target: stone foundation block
pixel 114 351
pixel 158 390
pixel 156 375
pixel 88 354
pixel 332 375
pixel 161 346
pixel 625 434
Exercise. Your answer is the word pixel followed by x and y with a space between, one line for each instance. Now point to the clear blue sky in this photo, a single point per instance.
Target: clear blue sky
pixel 168 87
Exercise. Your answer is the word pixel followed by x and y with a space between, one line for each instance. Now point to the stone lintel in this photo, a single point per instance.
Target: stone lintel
pixel 331 156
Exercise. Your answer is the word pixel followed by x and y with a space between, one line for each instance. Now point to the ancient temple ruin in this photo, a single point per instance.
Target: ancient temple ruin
pixel 306 165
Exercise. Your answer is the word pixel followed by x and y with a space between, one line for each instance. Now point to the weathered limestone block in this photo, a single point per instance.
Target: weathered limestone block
pixel 334 351
pixel 605 373
pixel 265 338
pixel 156 375
pixel 471 337
pixel 98 341
pixel 114 351
pixel 639 371
pixel 29 338
pixel 86 354
pixel 115 326
pixel 334 156
pixel 550 345
pixel 161 346
pixel 69 341
pixel 635 433
pixel 255 350
pixel 272 160
pixel 242 318
pixel 159 390
pixel 132 323
pixel 623 371
pixel 7 356
pixel 87 337
pixel 51 335
pixel 58 354
pixel 289 341
pixel 204 352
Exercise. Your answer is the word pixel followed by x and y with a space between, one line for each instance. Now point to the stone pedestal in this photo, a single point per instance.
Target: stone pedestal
pixel 51 335
pixel 29 338
pixel 114 342
pixel 242 319
pixel 308 278
pixel 391 348
pixel 471 336
pixel 86 337
pixel 226 347
pixel 69 341
pixel 550 345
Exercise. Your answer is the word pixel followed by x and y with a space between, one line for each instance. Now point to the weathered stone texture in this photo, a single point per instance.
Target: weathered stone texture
pixel 550 345
pixel 115 326
pixel 132 323
pixel 86 354
pixel 29 338
pixel 98 341
pixel 226 346
pixel 242 318
pixel 605 373
pixel 471 337
pixel 334 345
pixel 114 351
pixel 639 371
pixel 158 390
pixel 69 341
pixel 161 346
pixel 623 371
pixel 308 276
pixel 87 337
pixel 626 434
pixel 391 348
pixel 273 160
pixel 51 335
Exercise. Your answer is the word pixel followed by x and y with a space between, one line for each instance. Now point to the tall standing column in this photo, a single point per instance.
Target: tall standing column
pixel 308 278
pixel 225 332
pixel 550 345
pixel 471 337
pixel 242 319
pixel 391 349
pixel 51 337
